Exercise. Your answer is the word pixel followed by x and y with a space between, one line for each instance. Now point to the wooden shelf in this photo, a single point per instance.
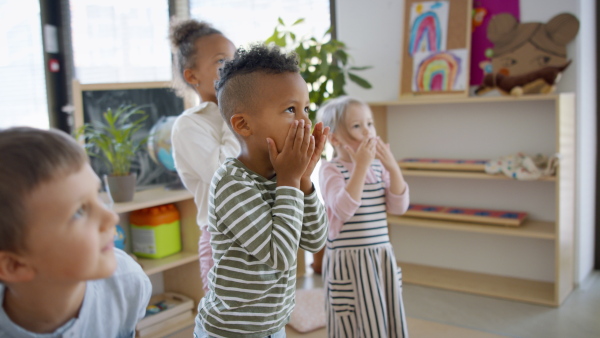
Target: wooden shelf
pixel 152 197
pixel 466 175
pixel 424 100
pixel 173 328
pixel 478 283
pixel 152 266
pixel 529 229
pixel 559 117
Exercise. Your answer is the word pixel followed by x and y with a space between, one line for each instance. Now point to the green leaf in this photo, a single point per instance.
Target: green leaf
pixel 301 20
pixel 280 21
pixel 272 38
pixel 324 62
pixel 342 56
pixel 338 84
pixel 359 81
pixel 360 68
pixel 113 139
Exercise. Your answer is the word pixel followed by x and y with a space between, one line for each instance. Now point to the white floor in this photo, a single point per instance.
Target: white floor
pixel 435 313
pixel 577 317
pixel 434 310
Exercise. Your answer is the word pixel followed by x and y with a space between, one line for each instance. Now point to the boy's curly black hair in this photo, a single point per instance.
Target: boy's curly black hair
pixel 236 83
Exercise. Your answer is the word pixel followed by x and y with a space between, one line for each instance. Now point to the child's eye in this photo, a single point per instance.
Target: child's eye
pixel 291 110
pixel 81 212
pixel 356 126
pixel 306 110
pixel 221 60
pixel 370 124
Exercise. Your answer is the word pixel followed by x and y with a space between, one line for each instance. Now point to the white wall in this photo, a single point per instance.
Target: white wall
pixel 373 32
pixel 586 139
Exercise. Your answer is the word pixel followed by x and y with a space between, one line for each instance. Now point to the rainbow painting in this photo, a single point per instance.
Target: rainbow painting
pixel 429 23
pixel 439 72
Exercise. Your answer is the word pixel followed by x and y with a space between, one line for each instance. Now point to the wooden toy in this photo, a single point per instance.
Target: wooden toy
pixel 497 217
pixel 528 58
pixel 443 164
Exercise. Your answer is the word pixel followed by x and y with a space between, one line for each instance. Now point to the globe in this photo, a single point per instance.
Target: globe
pixel 159 142
pixel 159 146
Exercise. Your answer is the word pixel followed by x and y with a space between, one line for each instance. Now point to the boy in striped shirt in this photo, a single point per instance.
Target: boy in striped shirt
pixel 262 204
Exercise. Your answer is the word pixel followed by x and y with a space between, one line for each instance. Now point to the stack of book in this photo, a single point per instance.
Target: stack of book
pixel 165 310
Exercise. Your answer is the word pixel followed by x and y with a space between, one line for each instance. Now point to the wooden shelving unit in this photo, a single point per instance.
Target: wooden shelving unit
pixel 152 197
pixel 463 174
pixel 426 100
pixel 152 266
pixel 479 283
pixel 181 271
pixel 559 231
pixel 172 329
pixel 529 228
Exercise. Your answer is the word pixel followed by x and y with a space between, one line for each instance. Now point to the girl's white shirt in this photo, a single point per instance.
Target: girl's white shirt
pixel 201 141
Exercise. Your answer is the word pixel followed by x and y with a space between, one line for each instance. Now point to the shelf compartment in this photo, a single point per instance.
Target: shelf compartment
pixel 152 197
pixel 466 175
pixel 525 290
pixel 152 266
pixel 411 101
pixel 173 328
pixel 529 228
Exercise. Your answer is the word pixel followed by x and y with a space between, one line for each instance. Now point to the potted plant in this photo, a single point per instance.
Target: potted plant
pixel 323 63
pixel 113 139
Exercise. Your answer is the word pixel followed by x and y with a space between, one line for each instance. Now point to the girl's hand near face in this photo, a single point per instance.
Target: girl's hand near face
pixel 364 154
pixel 362 159
pixel 384 154
pixel 291 163
pixel 320 134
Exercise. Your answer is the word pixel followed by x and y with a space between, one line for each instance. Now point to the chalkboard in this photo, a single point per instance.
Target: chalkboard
pixel 157 99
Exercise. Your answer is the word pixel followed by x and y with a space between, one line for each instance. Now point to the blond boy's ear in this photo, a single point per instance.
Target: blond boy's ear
pixel 14 269
pixel 239 124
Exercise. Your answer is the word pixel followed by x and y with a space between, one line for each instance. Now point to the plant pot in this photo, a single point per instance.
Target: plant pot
pixel 120 188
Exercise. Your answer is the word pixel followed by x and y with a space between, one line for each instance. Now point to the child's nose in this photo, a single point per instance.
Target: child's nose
pixel 109 219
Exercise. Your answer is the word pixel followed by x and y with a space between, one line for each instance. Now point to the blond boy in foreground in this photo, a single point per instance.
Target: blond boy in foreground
pixel 60 275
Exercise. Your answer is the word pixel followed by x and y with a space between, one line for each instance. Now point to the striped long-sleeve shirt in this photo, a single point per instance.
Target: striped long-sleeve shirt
pixel 256 229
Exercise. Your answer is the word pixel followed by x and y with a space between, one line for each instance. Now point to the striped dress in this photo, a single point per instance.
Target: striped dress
pixel 256 229
pixel 363 281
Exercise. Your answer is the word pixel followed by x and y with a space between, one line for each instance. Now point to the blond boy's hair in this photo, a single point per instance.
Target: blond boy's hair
pixel 30 157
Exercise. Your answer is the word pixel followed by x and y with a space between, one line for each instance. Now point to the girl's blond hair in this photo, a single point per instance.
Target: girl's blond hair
pixel 333 111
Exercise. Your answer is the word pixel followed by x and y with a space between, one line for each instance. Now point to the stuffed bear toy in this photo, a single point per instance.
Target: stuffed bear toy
pixel 528 58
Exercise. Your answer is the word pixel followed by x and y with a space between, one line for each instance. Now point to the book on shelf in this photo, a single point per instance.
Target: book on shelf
pixel 169 322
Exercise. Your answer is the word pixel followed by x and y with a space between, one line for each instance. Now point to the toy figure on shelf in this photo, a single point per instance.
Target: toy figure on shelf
pixel 523 167
pixel 528 58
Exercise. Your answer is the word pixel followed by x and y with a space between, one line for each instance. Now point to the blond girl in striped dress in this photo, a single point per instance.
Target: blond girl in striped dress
pixel 360 185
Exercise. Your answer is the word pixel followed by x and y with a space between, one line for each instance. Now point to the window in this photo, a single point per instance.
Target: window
pixel 23 86
pixel 120 41
pixel 247 21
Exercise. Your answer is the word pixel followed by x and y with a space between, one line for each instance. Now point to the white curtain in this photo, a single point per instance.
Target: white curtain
pixel 22 80
pixel 121 41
